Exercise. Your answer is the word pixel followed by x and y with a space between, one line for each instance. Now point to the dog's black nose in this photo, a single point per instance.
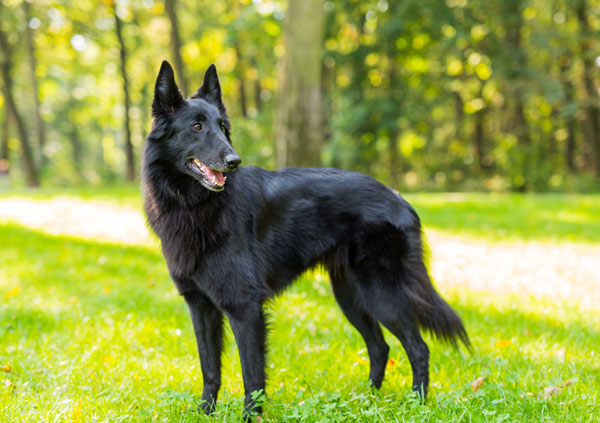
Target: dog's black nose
pixel 232 161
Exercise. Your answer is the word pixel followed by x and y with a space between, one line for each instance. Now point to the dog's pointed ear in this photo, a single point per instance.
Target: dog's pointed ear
pixel 167 96
pixel 211 88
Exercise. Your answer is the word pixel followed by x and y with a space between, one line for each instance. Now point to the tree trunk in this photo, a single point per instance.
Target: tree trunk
pixel 479 135
pixel 4 152
pixel 514 26
pixel 394 131
pixel 76 147
pixel 459 113
pixel 478 139
pixel 130 164
pixel 241 74
pixel 570 120
pixel 393 97
pixel 170 7
pixel 145 106
pixel 300 116
pixel 31 173
pixel 592 121
pixel 257 91
pixel 30 46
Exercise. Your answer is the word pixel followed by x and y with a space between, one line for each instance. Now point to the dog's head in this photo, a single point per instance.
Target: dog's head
pixel 194 134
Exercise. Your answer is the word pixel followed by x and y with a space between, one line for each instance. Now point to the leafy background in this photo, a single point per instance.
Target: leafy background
pixel 422 94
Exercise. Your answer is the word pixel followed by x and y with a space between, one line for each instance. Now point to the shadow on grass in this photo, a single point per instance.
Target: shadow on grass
pixel 59 273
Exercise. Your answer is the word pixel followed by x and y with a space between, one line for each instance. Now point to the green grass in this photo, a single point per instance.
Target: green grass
pixel 547 217
pixel 96 332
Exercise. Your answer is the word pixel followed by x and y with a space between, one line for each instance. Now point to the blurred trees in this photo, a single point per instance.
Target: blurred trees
pixel 176 46
pixel 10 107
pixel 130 170
pixel 434 94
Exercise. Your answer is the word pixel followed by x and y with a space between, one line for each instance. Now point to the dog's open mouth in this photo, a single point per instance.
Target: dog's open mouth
pixel 211 179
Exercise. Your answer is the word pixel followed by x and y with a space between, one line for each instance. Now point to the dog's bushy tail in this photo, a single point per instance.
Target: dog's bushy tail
pixel 432 313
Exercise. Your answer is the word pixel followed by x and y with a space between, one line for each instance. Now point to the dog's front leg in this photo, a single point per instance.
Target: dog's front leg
pixel 208 327
pixel 248 325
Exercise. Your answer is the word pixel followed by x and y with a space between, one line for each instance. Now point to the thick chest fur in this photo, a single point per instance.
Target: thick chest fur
pixel 187 237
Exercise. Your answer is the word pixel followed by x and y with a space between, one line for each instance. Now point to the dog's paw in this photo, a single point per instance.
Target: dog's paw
pixel 207 406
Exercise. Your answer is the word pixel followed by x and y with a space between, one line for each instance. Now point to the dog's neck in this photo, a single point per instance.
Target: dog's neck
pixel 171 189
pixel 182 212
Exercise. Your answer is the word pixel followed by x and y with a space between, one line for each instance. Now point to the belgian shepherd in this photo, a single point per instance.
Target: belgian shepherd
pixel 232 240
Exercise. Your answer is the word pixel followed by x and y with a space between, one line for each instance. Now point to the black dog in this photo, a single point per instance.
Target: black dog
pixel 231 245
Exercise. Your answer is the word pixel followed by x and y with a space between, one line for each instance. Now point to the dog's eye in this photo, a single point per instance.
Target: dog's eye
pixel 197 126
pixel 223 128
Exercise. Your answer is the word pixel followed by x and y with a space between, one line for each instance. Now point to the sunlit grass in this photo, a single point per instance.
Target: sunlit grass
pixel 96 332
pixel 548 217
pixel 91 331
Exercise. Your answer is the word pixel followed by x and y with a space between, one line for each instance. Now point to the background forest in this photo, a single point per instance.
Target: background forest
pixel 422 94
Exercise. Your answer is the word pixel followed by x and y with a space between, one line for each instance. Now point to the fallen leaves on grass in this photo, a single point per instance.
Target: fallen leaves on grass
pixel 109 359
pixel 12 292
pixel 77 414
pixel 477 383
pixel 503 343
pixel 550 391
pixel 6 368
pixel 9 384
pixel 362 360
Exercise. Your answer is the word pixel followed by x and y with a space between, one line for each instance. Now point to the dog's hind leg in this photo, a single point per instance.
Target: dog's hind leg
pixel 416 350
pixel 208 327
pixel 368 327
pixel 388 305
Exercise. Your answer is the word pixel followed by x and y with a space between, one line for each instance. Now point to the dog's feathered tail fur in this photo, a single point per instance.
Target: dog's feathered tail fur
pixel 431 311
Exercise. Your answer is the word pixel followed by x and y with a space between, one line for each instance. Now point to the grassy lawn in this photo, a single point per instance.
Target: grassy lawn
pixel 91 331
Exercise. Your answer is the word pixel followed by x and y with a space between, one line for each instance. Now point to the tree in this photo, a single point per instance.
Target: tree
pixel 564 63
pixel 4 152
pixel 592 121
pixel 300 111
pixel 170 7
pixel 31 173
pixel 513 15
pixel 30 47
pixel 241 74
pixel 130 160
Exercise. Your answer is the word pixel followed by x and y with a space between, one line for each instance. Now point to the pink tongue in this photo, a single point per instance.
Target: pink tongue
pixel 216 174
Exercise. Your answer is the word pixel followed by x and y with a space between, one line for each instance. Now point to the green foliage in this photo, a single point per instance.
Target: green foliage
pixel 422 94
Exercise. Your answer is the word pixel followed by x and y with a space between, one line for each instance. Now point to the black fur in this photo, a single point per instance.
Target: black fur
pixel 228 252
